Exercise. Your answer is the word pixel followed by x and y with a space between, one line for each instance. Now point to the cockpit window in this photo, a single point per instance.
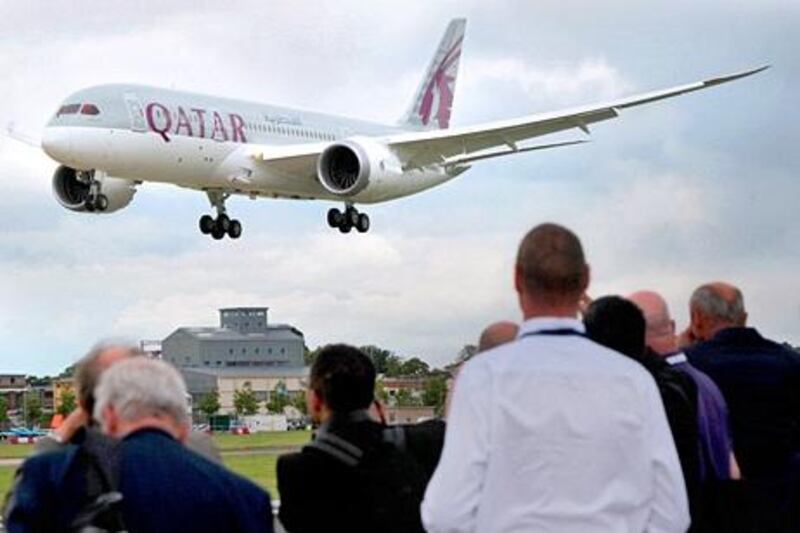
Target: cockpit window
pixel 89 109
pixel 68 109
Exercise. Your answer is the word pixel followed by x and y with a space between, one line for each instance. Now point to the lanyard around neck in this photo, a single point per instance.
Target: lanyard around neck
pixel 560 332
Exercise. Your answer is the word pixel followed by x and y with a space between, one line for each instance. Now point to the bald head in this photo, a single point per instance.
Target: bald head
pixel 660 328
pixel 551 270
pixel 716 306
pixel 496 334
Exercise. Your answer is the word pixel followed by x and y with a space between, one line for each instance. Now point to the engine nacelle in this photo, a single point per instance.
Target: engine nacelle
pixel 358 166
pixel 72 192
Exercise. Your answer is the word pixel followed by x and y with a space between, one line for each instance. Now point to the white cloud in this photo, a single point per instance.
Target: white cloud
pixel 560 84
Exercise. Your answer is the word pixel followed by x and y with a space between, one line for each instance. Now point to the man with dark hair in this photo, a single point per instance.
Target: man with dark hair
pixel 554 432
pixel 761 383
pixel 620 325
pixel 356 475
pixel 616 323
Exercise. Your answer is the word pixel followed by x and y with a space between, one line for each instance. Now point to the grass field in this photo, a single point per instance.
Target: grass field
pixel 259 467
pixel 268 439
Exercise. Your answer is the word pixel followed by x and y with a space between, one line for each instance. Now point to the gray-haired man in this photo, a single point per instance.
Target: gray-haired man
pixel 163 485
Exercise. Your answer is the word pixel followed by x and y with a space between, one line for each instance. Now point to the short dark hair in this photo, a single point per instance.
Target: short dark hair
pixel 344 377
pixel 618 324
pixel 552 263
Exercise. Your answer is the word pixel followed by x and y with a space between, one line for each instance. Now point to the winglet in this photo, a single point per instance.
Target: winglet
pixel 731 77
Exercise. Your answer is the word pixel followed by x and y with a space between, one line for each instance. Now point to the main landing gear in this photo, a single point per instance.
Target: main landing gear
pixel 95 200
pixel 222 225
pixel 348 219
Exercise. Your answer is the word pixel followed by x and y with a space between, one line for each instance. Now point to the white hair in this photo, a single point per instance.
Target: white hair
pixel 141 387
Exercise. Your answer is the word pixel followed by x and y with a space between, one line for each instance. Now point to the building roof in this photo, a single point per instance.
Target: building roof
pixel 251 371
pixel 278 332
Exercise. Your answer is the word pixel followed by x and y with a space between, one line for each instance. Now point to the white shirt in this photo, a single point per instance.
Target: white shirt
pixel 556 433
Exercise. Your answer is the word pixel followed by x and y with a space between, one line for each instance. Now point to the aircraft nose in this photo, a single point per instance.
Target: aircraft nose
pixel 57 143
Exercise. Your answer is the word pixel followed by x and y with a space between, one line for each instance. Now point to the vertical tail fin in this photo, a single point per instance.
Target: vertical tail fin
pixel 430 108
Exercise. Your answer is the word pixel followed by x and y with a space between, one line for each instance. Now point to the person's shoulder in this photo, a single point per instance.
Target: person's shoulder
pixel 51 464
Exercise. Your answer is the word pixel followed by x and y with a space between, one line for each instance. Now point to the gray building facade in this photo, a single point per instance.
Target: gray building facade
pixel 244 338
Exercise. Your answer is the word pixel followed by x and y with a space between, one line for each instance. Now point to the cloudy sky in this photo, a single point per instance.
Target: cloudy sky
pixel 669 196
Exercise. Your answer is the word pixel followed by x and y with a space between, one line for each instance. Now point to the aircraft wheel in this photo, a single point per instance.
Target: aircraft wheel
pixel 217 233
pixel 223 222
pixel 352 217
pixel 89 205
pixel 206 224
pixel 335 217
pixel 363 223
pixel 101 202
pixel 345 228
pixel 235 229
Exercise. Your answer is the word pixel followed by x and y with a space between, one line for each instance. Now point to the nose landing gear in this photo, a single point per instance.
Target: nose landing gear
pixel 222 225
pixel 349 219
pixel 95 200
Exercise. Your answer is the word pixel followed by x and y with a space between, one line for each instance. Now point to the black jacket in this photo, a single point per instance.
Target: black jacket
pixel 327 487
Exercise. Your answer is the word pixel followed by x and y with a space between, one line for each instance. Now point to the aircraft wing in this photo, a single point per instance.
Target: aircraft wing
pixel 460 146
pixel 449 146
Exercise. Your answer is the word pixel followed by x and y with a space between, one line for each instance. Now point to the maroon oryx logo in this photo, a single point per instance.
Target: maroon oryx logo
pixel 442 83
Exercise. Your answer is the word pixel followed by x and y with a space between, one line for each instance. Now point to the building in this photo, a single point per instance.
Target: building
pixel 409 415
pixel 413 385
pixel 245 351
pixel 243 339
pixel 13 388
pixel 264 382
pixel 62 386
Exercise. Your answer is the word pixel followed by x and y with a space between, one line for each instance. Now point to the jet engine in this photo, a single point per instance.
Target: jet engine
pixel 357 165
pixel 74 191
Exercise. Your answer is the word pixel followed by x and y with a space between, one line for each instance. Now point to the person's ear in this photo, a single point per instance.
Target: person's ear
pixel 182 433
pixel 314 402
pixel 519 280
pixel 110 421
pixel 587 277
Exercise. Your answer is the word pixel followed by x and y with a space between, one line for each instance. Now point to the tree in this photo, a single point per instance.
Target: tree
pixel 414 367
pixel 435 393
pixel 244 401
pixel 394 366
pixel 33 410
pixel 3 410
pixel 209 403
pixel 404 398
pixel 279 398
pixel 380 391
pixel 379 357
pixel 466 353
pixel 300 403
pixel 67 403
pixel 309 356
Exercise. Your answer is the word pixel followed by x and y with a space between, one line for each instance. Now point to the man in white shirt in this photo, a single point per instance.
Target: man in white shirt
pixel 553 432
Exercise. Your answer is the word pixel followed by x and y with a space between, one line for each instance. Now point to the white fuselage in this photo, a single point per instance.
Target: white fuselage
pixel 202 142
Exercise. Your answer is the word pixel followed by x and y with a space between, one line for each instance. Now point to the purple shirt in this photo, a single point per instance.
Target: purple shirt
pixel 713 426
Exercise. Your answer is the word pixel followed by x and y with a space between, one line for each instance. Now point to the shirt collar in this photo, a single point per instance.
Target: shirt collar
pixel 535 325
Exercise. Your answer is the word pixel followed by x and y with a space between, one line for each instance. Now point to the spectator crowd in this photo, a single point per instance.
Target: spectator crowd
pixel 587 416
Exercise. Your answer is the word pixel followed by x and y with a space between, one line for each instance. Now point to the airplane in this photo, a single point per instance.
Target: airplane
pixel 109 139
